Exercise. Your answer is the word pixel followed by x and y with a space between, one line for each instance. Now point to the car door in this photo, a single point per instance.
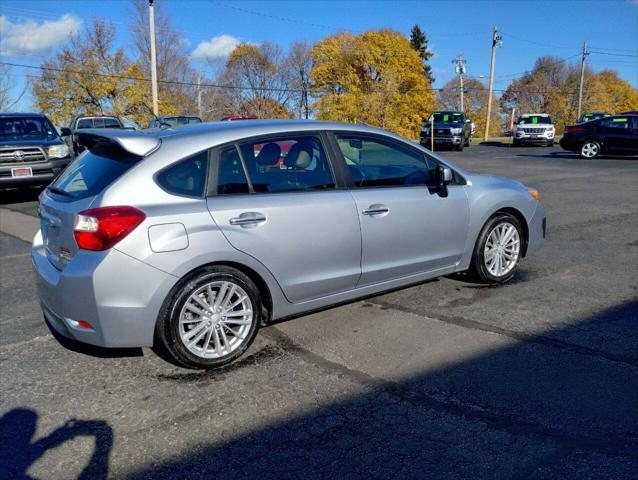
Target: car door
pixel 275 199
pixel 407 225
pixel 617 134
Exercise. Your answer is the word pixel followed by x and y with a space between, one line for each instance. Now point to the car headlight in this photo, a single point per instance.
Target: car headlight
pixel 456 131
pixel 58 151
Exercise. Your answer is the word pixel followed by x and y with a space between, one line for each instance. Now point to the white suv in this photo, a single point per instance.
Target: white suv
pixel 535 128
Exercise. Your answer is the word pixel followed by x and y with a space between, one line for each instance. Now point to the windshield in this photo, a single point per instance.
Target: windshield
pixel 449 117
pixel 31 128
pixel 593 116
pixel 533 119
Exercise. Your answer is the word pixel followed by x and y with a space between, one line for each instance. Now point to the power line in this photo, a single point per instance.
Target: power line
pixel 616 54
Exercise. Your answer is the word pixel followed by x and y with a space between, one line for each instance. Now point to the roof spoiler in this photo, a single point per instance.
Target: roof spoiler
pixel 131 142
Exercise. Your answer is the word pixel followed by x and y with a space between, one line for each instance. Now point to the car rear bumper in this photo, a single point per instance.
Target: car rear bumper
pixel 537 230
pixel 570 145
pixel 43 172
pixel 119 297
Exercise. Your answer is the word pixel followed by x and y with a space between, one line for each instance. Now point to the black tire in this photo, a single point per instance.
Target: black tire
pixel 516 143
pixel 459 147
pixel 478 267
pixel 167 330
pixel 550 143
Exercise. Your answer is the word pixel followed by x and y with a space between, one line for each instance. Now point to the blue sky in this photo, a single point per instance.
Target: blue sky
pixel 31 29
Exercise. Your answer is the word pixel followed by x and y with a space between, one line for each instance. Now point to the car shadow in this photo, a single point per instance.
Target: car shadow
pixel 541 406
pixel 92 350
pixel 19 450
pixel 20 195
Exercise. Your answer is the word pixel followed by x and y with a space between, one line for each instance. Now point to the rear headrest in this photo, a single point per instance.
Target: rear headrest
pixel 269 155
pixel 299 156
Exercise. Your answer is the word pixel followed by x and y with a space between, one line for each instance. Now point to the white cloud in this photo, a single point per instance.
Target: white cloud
pixel 29 37
pixel 220 46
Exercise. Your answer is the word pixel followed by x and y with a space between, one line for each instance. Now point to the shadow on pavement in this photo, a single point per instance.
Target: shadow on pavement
pixel 546 406
pixel 23 194
pixel 19 451
pixel 92 350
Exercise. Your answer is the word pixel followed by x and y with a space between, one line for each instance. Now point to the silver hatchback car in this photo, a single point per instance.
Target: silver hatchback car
pixel 195 237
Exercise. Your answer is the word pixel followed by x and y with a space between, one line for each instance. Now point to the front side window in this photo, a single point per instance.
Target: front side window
pixel 285 164
pixel 187 177
pixel 111 123
pixel 376 162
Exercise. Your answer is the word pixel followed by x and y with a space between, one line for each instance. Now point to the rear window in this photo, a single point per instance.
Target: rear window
pixel 85 123
pixel 90 173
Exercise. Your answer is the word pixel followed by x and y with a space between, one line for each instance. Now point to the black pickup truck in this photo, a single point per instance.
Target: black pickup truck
pixel 31 150
pixel 451 129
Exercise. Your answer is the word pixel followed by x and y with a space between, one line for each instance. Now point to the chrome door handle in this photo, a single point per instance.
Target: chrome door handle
pixel 376 209
pixel 248 219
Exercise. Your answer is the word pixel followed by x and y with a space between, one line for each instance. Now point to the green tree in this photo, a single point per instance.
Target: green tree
pixel 419 42
pixel 374 78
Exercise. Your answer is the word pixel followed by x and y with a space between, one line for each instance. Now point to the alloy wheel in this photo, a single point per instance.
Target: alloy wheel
pixel 502 249
pixel 216 319
pixel 589 150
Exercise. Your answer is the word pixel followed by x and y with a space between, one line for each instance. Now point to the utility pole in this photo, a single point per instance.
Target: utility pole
pixel 151 21
pixel 199 92
pixel 496 42
pixel 460 71
pixel 582 79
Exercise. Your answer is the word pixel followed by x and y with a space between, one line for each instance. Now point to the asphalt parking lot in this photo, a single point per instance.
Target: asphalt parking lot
pixel 448 379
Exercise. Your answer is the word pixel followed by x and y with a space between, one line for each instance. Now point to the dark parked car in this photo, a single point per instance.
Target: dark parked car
pixel 586 117
pixel 31 150
pixel 615 135
pixel 83 122
pixel 174 121
pixel 451 129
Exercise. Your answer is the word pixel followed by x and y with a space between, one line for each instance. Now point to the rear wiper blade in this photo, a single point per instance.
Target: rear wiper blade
pixel 59 191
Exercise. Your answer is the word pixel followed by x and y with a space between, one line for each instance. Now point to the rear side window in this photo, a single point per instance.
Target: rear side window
pixel 615 122
pixel 90 173
pixel 85 123
pixel 187 177
pixel 286 164
pixel 231 177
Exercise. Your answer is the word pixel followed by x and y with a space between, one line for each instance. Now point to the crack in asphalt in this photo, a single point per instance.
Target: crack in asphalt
pixel 625 446
pixel 516 335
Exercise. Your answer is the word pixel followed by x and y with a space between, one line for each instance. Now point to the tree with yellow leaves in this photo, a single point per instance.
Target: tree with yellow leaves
pixel 90 77
pixel 374 78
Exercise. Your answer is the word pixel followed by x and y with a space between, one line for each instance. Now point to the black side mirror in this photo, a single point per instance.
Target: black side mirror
pixel 65 132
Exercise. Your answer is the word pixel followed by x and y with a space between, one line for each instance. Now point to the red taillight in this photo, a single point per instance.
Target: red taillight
pixel 574 129
pixel 101 228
